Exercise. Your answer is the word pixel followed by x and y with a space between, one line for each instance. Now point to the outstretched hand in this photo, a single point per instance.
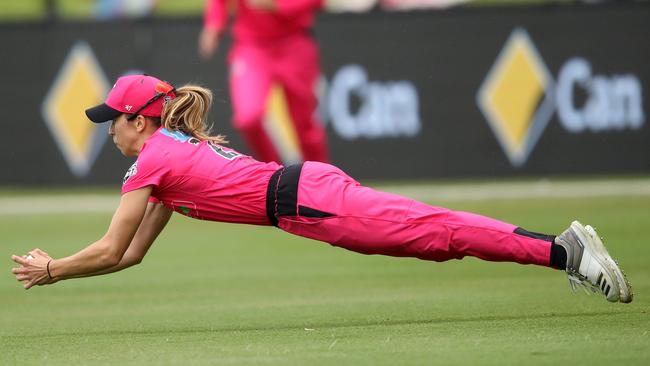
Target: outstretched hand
pixel 33 271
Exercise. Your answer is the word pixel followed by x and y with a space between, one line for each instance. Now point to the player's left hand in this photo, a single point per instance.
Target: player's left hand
pixel 265 5
pixel 33 271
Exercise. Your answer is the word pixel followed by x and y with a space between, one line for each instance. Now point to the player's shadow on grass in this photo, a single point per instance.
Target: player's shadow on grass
pixel 335 325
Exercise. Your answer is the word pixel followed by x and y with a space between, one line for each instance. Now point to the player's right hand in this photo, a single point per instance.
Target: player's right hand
pixel 208 42
pixel 33 271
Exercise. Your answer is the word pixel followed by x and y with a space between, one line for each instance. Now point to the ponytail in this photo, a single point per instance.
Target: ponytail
pixel 188 113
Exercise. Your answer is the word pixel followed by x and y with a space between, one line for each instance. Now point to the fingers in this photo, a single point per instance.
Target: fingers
pixel 31 271
pixel 29 282
pixel 37 281
pixel 20 260
pixel 19 270
pixel 22 273
pixel 33 282
pixel 40 252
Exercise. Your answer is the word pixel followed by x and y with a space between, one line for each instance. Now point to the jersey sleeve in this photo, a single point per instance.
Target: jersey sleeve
pixel 147 170
pixel 216 15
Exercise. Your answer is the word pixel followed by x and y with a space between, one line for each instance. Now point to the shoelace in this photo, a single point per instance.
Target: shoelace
pixel 577 280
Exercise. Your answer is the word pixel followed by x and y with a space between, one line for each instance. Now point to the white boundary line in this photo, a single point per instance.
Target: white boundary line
pixel 25 204
pixel 524 190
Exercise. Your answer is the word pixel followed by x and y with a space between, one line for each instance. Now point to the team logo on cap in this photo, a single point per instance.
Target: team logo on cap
pixel 79 83
pixel 516 97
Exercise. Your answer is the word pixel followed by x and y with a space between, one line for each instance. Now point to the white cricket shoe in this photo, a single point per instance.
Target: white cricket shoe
pixel 590 266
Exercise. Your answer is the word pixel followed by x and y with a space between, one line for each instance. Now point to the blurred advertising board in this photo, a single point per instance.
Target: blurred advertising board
pixel 525 91
pixel 491 92
pixel 419 4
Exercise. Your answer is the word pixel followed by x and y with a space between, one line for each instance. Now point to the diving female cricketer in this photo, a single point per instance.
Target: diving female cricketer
pixel 181 168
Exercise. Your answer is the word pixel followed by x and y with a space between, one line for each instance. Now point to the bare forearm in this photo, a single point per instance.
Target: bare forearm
pixel 125 263
pixel 91 259
pixel 103 255
pixel 155 220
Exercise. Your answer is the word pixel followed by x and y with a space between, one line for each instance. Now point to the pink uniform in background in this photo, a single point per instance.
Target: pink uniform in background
pixel 268 48
pixel 319 201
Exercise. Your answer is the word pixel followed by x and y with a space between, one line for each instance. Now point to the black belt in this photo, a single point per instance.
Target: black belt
pixel 282 193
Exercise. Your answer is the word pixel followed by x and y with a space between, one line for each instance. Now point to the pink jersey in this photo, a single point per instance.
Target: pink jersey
pixel 291 16
pixel 319 201
pixel 202 180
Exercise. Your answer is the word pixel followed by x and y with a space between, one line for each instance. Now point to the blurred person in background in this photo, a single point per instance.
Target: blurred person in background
pixel 272 44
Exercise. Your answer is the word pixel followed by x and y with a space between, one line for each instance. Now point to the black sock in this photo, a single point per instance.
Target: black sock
pixel 558 257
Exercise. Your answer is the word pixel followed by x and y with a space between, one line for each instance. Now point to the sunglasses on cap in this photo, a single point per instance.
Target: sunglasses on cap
pixel 162 89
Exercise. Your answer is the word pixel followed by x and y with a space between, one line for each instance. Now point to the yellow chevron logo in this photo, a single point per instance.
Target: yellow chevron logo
pixel 516 97
pixel 279 125
pixel 80 84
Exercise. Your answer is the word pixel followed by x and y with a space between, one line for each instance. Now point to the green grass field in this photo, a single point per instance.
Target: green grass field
pixel 212 293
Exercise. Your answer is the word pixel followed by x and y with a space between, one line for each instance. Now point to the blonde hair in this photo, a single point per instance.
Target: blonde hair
pixel 188 113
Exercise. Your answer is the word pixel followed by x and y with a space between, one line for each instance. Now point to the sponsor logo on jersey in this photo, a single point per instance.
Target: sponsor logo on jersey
pixel 133 170
pixel 79 84
pixel 187 208
pixel 519 96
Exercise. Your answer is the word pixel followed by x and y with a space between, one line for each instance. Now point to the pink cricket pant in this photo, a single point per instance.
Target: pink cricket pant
pixel 371 222
pixel 293 62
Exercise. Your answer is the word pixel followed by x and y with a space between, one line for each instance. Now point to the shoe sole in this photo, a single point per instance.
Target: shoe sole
pixel 596 245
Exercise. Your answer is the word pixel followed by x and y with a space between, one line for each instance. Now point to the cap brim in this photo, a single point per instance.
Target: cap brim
pixel 102 113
